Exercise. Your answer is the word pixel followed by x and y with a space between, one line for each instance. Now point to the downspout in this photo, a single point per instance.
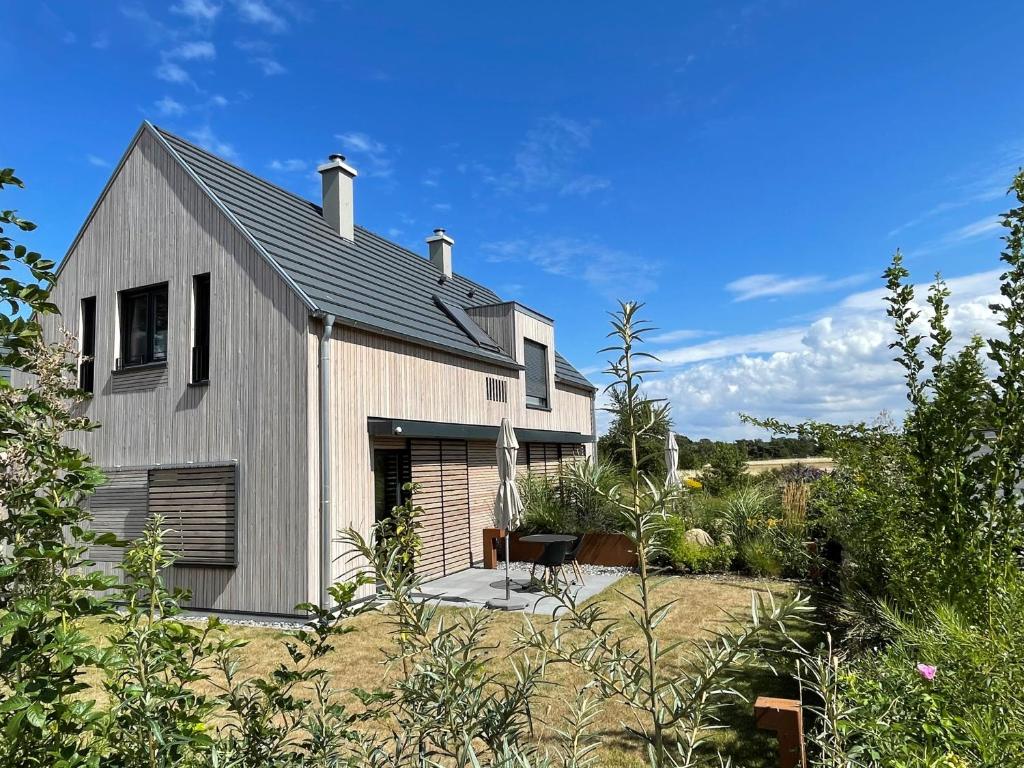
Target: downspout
pixel 593 425
pixel 325 462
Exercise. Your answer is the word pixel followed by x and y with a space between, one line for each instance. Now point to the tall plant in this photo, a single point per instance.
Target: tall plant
pixel 445 704
pixel 669 700
pixel 46 587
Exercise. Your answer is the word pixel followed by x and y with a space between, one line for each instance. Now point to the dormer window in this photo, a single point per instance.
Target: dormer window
pixel 536 359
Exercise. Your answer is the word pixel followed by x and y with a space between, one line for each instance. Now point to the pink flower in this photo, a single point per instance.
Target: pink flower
pixel 927 671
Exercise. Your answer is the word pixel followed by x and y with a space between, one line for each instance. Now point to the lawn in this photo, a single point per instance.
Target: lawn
pixel 704 604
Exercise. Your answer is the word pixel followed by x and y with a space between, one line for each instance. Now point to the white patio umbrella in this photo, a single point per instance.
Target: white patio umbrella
pixel 672 461
pixel 508 505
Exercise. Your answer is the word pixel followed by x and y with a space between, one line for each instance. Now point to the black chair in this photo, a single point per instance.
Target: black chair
pixel 571 558
pixel 552 559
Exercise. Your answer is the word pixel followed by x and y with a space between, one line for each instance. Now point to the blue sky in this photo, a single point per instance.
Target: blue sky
pixel 744 168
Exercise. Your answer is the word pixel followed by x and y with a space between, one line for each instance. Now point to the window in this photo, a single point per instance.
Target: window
pixel 144 326
pixel 87 344
pixel 536 359
pixel 200 328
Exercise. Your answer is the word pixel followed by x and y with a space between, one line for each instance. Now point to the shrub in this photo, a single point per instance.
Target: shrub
pixel 881 708
pixel 689 557
pixel 761 556
pixel 543 510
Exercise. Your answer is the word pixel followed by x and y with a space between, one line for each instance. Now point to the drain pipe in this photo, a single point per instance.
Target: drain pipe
pixel 325 462
pixel 593 426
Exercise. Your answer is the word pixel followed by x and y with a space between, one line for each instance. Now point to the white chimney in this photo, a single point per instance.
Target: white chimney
pixel 338 205
pixel 441 251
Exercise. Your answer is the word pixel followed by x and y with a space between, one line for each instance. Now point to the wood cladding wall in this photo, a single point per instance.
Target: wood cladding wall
pixel 375 376
pixel 155 225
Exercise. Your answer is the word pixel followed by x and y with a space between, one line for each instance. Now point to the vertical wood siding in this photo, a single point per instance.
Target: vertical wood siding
pixel 155 225
pixel 374 376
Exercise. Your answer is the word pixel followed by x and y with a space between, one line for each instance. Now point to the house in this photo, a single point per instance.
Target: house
pixel 267 373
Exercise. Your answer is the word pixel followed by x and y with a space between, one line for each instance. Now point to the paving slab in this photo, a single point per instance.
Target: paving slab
pixel 473 587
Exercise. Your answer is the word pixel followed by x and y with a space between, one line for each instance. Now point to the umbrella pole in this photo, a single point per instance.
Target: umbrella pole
pixel 507 594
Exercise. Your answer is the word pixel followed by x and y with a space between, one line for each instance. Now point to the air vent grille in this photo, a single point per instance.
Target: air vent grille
pixel 497 390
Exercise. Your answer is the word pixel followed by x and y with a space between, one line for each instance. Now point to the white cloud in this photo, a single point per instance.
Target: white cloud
pixel 168 107
pixel 367 151
pixel 584 185
pixel 269 67
pixel 194 50
pixel 172 73
pixel 547 159
pixel 442 207
pixel 288 166
pixel 205 138
pixel 772 285
pixel 610 272
pixel 260 14
pixel 218 101
pixel 97 161
pixel 681 334
pixel 975 229
pixel 197 10
pixel 836 367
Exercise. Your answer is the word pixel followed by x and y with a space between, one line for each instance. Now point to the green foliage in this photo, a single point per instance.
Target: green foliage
pixel 153 666
pixel 543 510
pixel 401 529
pixel 760 556
pixel 446 701
pixel 879 709
pixel 723 468
pixel 688 557
pixel 931 524
pixel 935 512
pixel 575 501
pixel 46 585
pixel 619 444
pixel 668 700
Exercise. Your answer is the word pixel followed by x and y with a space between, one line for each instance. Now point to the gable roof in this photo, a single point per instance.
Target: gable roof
pixel 369 283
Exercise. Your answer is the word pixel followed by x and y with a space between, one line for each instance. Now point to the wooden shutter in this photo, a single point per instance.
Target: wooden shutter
pixel 426 472
pixel 455 475
pixel 198 504
pixel 119 506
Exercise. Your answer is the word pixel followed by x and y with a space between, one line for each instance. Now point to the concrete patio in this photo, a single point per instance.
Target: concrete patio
pixel 475 586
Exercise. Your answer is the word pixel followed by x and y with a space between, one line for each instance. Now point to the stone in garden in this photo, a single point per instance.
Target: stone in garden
pixel 700 537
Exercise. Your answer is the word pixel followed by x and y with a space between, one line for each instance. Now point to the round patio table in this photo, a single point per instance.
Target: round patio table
pixel 547 538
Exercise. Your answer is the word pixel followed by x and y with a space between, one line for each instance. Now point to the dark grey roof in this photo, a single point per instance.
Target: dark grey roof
pixel 369 283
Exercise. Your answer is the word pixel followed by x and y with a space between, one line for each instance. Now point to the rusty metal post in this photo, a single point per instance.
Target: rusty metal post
pixel 490 550
pixel 786 718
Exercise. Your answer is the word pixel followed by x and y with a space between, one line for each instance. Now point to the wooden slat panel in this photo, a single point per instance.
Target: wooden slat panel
pixel 119 506
pixel 129 380
pixel 455 475
pixel 426 471
pixel 198 507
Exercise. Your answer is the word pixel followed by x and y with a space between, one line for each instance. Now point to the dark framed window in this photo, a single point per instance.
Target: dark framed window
pixel 87 343
pixel 201 328
pixel 144 326
pixel 536 361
